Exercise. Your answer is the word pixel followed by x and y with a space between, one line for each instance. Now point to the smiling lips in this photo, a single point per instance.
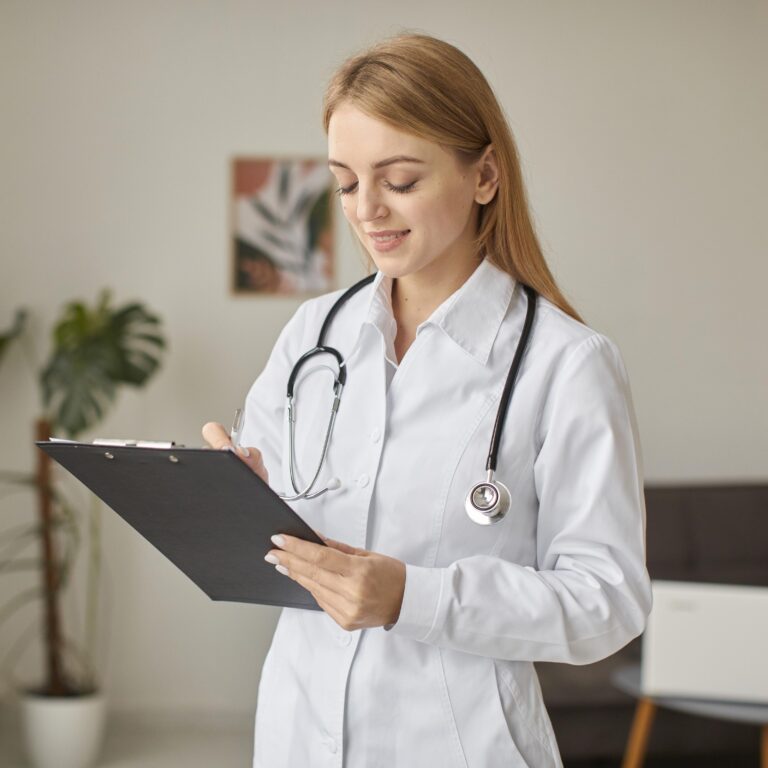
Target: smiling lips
pixel 388 239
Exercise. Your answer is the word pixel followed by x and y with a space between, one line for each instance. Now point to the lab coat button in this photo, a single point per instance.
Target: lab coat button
pixel 376 435
pixel 345 638
pixel 362 481
pixel 331 744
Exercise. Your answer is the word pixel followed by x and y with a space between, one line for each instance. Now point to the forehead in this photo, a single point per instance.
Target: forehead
pixel 359 140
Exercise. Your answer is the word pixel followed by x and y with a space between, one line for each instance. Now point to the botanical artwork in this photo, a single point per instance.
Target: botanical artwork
pixel 282 233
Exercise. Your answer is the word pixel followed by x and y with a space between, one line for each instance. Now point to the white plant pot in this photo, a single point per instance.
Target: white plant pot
pixel 62 732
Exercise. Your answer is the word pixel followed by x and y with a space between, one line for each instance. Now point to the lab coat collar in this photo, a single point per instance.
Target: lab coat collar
pixel 471 316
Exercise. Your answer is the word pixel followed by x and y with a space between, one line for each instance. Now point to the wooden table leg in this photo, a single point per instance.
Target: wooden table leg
pixel 764 747
pixel 634 755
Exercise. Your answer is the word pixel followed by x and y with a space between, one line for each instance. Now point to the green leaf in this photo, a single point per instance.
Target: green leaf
pixel 95 351
pixel 13 332
pixel 158 341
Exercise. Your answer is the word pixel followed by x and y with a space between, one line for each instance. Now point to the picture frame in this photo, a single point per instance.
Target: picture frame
pixel 282 233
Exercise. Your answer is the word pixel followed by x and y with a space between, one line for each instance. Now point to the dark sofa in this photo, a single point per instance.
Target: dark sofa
pixel 710 533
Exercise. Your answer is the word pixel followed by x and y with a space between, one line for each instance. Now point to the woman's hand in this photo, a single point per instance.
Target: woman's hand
pixel 356 588
pixel 217 437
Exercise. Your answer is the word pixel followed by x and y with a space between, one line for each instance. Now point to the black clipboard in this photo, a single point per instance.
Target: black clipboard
pixel 204 509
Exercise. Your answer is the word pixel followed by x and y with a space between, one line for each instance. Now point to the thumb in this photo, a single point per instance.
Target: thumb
pixel 254 459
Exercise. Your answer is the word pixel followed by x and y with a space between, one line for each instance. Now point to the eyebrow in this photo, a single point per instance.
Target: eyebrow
pixel 382 163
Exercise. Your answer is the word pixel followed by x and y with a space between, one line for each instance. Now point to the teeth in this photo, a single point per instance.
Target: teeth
pixel 387 238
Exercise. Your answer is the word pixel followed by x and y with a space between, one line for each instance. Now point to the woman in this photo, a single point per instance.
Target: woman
pixel 422 654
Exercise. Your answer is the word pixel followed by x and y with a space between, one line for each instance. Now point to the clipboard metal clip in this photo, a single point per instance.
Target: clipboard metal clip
pixel 162 444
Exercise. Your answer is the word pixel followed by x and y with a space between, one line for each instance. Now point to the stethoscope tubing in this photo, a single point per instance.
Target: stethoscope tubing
pixel 485 514
pixel 509 385
pixel 305 494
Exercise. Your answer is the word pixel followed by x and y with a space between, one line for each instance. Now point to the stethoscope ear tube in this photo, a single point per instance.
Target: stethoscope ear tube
pixel 305 494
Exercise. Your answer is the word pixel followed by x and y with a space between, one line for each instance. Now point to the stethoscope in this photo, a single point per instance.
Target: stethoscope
pixel 488 501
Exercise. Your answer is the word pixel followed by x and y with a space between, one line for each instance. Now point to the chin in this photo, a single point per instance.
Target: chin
pixel 393 265
pixel 392 268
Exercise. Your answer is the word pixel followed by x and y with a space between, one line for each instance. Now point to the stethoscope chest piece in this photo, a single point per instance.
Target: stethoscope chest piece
pixel 488 502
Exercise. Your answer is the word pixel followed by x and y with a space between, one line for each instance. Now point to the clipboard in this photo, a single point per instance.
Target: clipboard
pixel 204 509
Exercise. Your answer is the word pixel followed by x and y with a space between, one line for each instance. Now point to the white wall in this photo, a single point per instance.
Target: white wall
pixel 642 127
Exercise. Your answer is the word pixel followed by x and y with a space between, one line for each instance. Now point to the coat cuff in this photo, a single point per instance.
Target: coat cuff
pixel 421 601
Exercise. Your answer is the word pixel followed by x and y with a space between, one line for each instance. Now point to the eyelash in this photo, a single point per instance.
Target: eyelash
pixel 402 189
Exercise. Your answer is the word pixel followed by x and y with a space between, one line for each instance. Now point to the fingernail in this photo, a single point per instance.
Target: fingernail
pixel 227 448
pixel 278 540
pixel 281 569
pixel 244 451
pixel 270 558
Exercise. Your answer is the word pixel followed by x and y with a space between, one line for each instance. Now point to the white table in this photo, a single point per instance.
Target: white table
pixel 627 679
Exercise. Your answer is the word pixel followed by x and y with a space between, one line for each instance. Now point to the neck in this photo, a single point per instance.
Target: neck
pixel 415 297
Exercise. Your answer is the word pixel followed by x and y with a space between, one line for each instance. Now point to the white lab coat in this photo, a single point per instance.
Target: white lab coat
pixel 561 578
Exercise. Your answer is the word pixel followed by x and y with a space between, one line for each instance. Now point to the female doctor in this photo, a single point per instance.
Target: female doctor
pixel 442 580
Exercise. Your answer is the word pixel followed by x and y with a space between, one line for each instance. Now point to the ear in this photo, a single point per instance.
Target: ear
pixel 488 179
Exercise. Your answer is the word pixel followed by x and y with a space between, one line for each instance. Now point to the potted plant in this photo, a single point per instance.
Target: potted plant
pixel 96 350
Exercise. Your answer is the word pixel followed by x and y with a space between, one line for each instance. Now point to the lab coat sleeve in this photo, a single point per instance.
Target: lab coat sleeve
pixel 590 594
pixel 266 399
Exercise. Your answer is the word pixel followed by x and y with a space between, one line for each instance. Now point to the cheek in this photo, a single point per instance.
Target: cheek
pixel 446 216
pixel 349 210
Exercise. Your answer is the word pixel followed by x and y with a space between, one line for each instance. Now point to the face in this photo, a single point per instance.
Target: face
pixel 413 216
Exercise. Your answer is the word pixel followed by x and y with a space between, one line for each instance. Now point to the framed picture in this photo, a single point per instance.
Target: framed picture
pixel 282 226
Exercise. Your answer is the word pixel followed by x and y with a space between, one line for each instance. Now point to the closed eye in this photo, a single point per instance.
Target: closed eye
pixel 393 187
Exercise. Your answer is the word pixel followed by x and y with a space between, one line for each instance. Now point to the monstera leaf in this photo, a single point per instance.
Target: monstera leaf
pixel 14 331
pixel 95 351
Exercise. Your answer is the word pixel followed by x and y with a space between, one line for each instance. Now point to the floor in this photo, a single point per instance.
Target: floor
pixel 169 747
pixel 717 761
pixel 139 746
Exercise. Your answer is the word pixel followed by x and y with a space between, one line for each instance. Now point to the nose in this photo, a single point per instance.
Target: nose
pixel 369 203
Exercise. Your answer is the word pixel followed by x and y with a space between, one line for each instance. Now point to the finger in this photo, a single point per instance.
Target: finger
pixel 253 458
pixel 313 572
pixel 218 437
pixel 327 558
pixel 342 547
pixel 215 435
pixel 334 604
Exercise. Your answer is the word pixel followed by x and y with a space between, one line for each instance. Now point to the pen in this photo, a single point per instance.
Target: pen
pixel 237 428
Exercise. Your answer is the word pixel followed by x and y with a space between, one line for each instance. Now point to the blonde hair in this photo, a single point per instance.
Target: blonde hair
pixel 427 87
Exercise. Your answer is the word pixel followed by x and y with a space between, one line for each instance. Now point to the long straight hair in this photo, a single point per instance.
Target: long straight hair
pixel 429 88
